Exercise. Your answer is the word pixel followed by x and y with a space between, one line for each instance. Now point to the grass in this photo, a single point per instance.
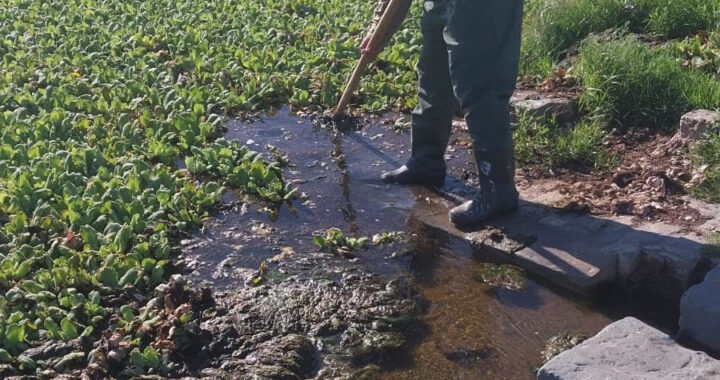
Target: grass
pixel 641 86
pixel 553 27
pixel 712 248
pixel 542 143
pixel 708 153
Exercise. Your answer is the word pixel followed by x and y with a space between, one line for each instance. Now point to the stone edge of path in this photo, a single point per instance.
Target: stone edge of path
pixel 630 349
pixel 700 313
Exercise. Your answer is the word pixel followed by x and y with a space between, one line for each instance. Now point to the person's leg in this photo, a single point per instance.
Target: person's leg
pixel 432 118
pixel 483 39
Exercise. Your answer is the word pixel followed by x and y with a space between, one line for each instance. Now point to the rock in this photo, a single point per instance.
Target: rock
pixel 700 312
pixel 630 349
pixel 562 110
pixel 694 125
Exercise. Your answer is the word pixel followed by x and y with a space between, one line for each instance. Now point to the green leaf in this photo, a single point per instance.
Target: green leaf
pixel 130 277
pixel 52 328
pixel 69 329
pixel 108 277
pixel 122 239
pixel 5 356
pixel 319 241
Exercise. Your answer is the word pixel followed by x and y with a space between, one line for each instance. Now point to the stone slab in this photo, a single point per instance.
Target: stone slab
pixel 700 313
pixel 630 349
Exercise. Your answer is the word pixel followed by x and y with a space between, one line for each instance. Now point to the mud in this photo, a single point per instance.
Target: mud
pixel 317 322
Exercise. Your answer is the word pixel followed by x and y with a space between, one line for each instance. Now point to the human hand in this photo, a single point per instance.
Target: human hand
pixel 371 54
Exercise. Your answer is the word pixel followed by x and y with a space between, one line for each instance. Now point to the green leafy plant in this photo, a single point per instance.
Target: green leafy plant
pixel 387 238
pixel 334 241
pixel 701 52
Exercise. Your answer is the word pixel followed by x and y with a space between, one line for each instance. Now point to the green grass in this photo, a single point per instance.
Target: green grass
pixel 712 247
pixel 554 26
pixel 708 153
pixel 542 143
pixel 641 86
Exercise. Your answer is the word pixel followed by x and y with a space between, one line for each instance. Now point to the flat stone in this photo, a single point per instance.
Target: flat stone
pixel 561 109
pixel 696 124
pixel 562 254
pixel 700 312
pixel 630 349
pixel 584 252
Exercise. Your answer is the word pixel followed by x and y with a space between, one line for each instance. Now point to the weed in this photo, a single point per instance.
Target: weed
pixel 701 52
pixel 707 154
pixel 540 142
pixel 641 86
pixel 553 27
pixel 712 248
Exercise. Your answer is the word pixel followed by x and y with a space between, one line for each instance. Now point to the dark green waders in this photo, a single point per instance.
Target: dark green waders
pixel 470 59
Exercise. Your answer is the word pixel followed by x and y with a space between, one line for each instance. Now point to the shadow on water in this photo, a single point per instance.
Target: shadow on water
pixel 466 329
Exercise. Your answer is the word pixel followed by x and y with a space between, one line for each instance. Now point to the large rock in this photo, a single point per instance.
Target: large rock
pixel 562 108
pixel 700 312
pixel 696 124
pixel 630 349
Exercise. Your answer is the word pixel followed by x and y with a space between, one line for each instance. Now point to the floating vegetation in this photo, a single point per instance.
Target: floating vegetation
pixel 502 276
pixel 334 241
pixel 388 238
pixel 561 343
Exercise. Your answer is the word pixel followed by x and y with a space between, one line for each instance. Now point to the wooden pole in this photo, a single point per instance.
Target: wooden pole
pixel 376 39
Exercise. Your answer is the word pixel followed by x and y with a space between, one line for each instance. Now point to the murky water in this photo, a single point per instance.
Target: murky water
pixel 467 330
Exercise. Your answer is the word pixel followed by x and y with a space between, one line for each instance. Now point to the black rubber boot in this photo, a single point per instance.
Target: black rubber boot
pixel 407 176
pixel 497 194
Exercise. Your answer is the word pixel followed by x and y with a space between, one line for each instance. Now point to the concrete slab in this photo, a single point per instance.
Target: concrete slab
pixel 630 349
pixel 582 252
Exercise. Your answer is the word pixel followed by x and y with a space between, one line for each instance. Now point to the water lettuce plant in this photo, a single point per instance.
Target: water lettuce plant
pixel 101 103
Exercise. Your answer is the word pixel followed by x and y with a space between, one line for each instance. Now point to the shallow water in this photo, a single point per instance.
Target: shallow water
pixel 467 330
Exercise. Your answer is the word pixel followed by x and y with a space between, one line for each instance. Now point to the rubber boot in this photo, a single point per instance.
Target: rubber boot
pixel 405 175
pixel 497 194
pixel 432 117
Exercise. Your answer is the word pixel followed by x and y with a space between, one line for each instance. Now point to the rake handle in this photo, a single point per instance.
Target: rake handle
pixel 377 37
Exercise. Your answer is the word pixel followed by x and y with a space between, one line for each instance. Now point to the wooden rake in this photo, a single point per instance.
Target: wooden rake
pixel 379 35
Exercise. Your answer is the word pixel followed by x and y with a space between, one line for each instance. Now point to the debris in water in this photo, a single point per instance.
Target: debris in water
pixel 561 343
pixel 259 276
pixel 343 123
pixel 506 276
